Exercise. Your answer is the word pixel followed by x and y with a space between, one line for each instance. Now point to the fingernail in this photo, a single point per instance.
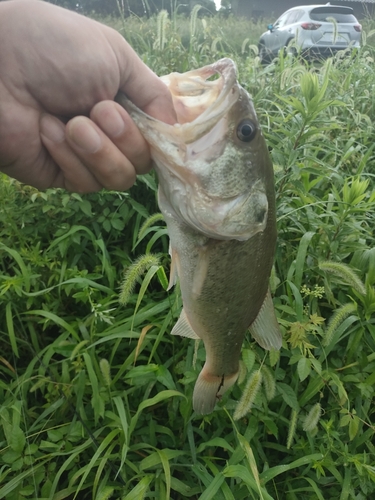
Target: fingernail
pixel 111 122
pixel 52 128
pixel 84 135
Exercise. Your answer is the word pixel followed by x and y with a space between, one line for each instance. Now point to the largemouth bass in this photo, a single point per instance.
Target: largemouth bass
pixel 216 192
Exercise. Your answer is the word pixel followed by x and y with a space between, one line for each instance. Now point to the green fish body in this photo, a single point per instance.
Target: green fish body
pixel 216 192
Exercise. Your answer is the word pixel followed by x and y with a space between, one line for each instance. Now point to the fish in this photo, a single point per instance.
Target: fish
pixel 216 192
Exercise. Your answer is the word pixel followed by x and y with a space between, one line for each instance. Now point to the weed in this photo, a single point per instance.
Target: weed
pixel 95 398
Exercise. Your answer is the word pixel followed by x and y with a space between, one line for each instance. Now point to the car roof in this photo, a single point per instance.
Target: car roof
pixel 328 5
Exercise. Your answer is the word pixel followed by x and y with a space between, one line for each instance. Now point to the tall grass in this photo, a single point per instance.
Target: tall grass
pixel 95 398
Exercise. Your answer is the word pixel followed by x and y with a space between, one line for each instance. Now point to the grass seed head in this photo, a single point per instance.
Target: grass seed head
pixel 312 418
pixel 269 383
pixel 292 428
pixel 106 371
pixel 248 395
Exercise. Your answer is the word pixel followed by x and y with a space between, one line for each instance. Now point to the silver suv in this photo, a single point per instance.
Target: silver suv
pixel 316 31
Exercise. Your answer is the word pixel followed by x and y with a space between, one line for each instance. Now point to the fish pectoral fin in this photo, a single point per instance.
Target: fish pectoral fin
pixel 175 263
pixel 265 329
pixel 183 328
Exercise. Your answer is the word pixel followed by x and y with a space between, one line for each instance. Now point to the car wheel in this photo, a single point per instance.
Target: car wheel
pixel 264 54
pixel 290 50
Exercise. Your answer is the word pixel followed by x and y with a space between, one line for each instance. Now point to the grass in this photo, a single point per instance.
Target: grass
pixel 95 397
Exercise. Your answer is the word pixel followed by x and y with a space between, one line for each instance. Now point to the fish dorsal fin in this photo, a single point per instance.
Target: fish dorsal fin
pixel 183 327
pixel 265 329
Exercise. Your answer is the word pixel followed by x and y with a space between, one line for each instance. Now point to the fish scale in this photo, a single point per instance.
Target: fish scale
pixel 216 192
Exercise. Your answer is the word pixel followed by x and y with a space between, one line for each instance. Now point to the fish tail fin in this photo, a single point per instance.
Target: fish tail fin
pixel 209 389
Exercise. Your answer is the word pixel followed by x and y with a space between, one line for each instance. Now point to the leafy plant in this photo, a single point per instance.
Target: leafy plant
pixel 95 397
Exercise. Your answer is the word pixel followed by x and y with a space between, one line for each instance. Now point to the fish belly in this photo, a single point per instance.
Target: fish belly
pixel 223 286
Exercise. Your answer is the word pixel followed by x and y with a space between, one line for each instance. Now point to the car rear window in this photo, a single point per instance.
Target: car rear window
pixel 341 14
pixel 294 16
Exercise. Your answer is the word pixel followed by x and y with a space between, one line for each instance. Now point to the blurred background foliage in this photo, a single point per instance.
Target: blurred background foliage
pixel 140 8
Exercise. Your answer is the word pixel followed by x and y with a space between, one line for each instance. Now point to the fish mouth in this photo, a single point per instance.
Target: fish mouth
pixel 200 103
pixel 198 99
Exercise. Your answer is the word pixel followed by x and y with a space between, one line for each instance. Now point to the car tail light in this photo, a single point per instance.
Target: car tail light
pixel 310 26
pixel 358 27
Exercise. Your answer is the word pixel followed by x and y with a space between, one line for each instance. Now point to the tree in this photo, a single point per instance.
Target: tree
pixel 226 7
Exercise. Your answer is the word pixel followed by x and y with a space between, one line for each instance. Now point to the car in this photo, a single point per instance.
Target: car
pixel 315 31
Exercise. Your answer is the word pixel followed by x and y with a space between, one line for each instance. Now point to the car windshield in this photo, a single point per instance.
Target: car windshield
pixel 341 15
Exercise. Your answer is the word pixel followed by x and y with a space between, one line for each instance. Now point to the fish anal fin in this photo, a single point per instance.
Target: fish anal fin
pixel 209 389
pixel 183 327
pixel 265 329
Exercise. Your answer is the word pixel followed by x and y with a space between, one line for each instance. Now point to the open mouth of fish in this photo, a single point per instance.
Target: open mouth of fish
pixel 202 101
pixel 199 103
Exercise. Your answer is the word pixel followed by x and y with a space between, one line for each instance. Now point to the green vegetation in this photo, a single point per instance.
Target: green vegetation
pixel 95 397
pixel 141 8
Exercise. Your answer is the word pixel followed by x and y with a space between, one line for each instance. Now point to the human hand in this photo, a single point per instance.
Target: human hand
pixel 59 126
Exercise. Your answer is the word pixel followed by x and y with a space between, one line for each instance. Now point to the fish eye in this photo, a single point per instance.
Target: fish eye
pixel 246 130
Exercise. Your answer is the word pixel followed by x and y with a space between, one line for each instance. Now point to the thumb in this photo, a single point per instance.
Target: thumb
pixel 142 86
